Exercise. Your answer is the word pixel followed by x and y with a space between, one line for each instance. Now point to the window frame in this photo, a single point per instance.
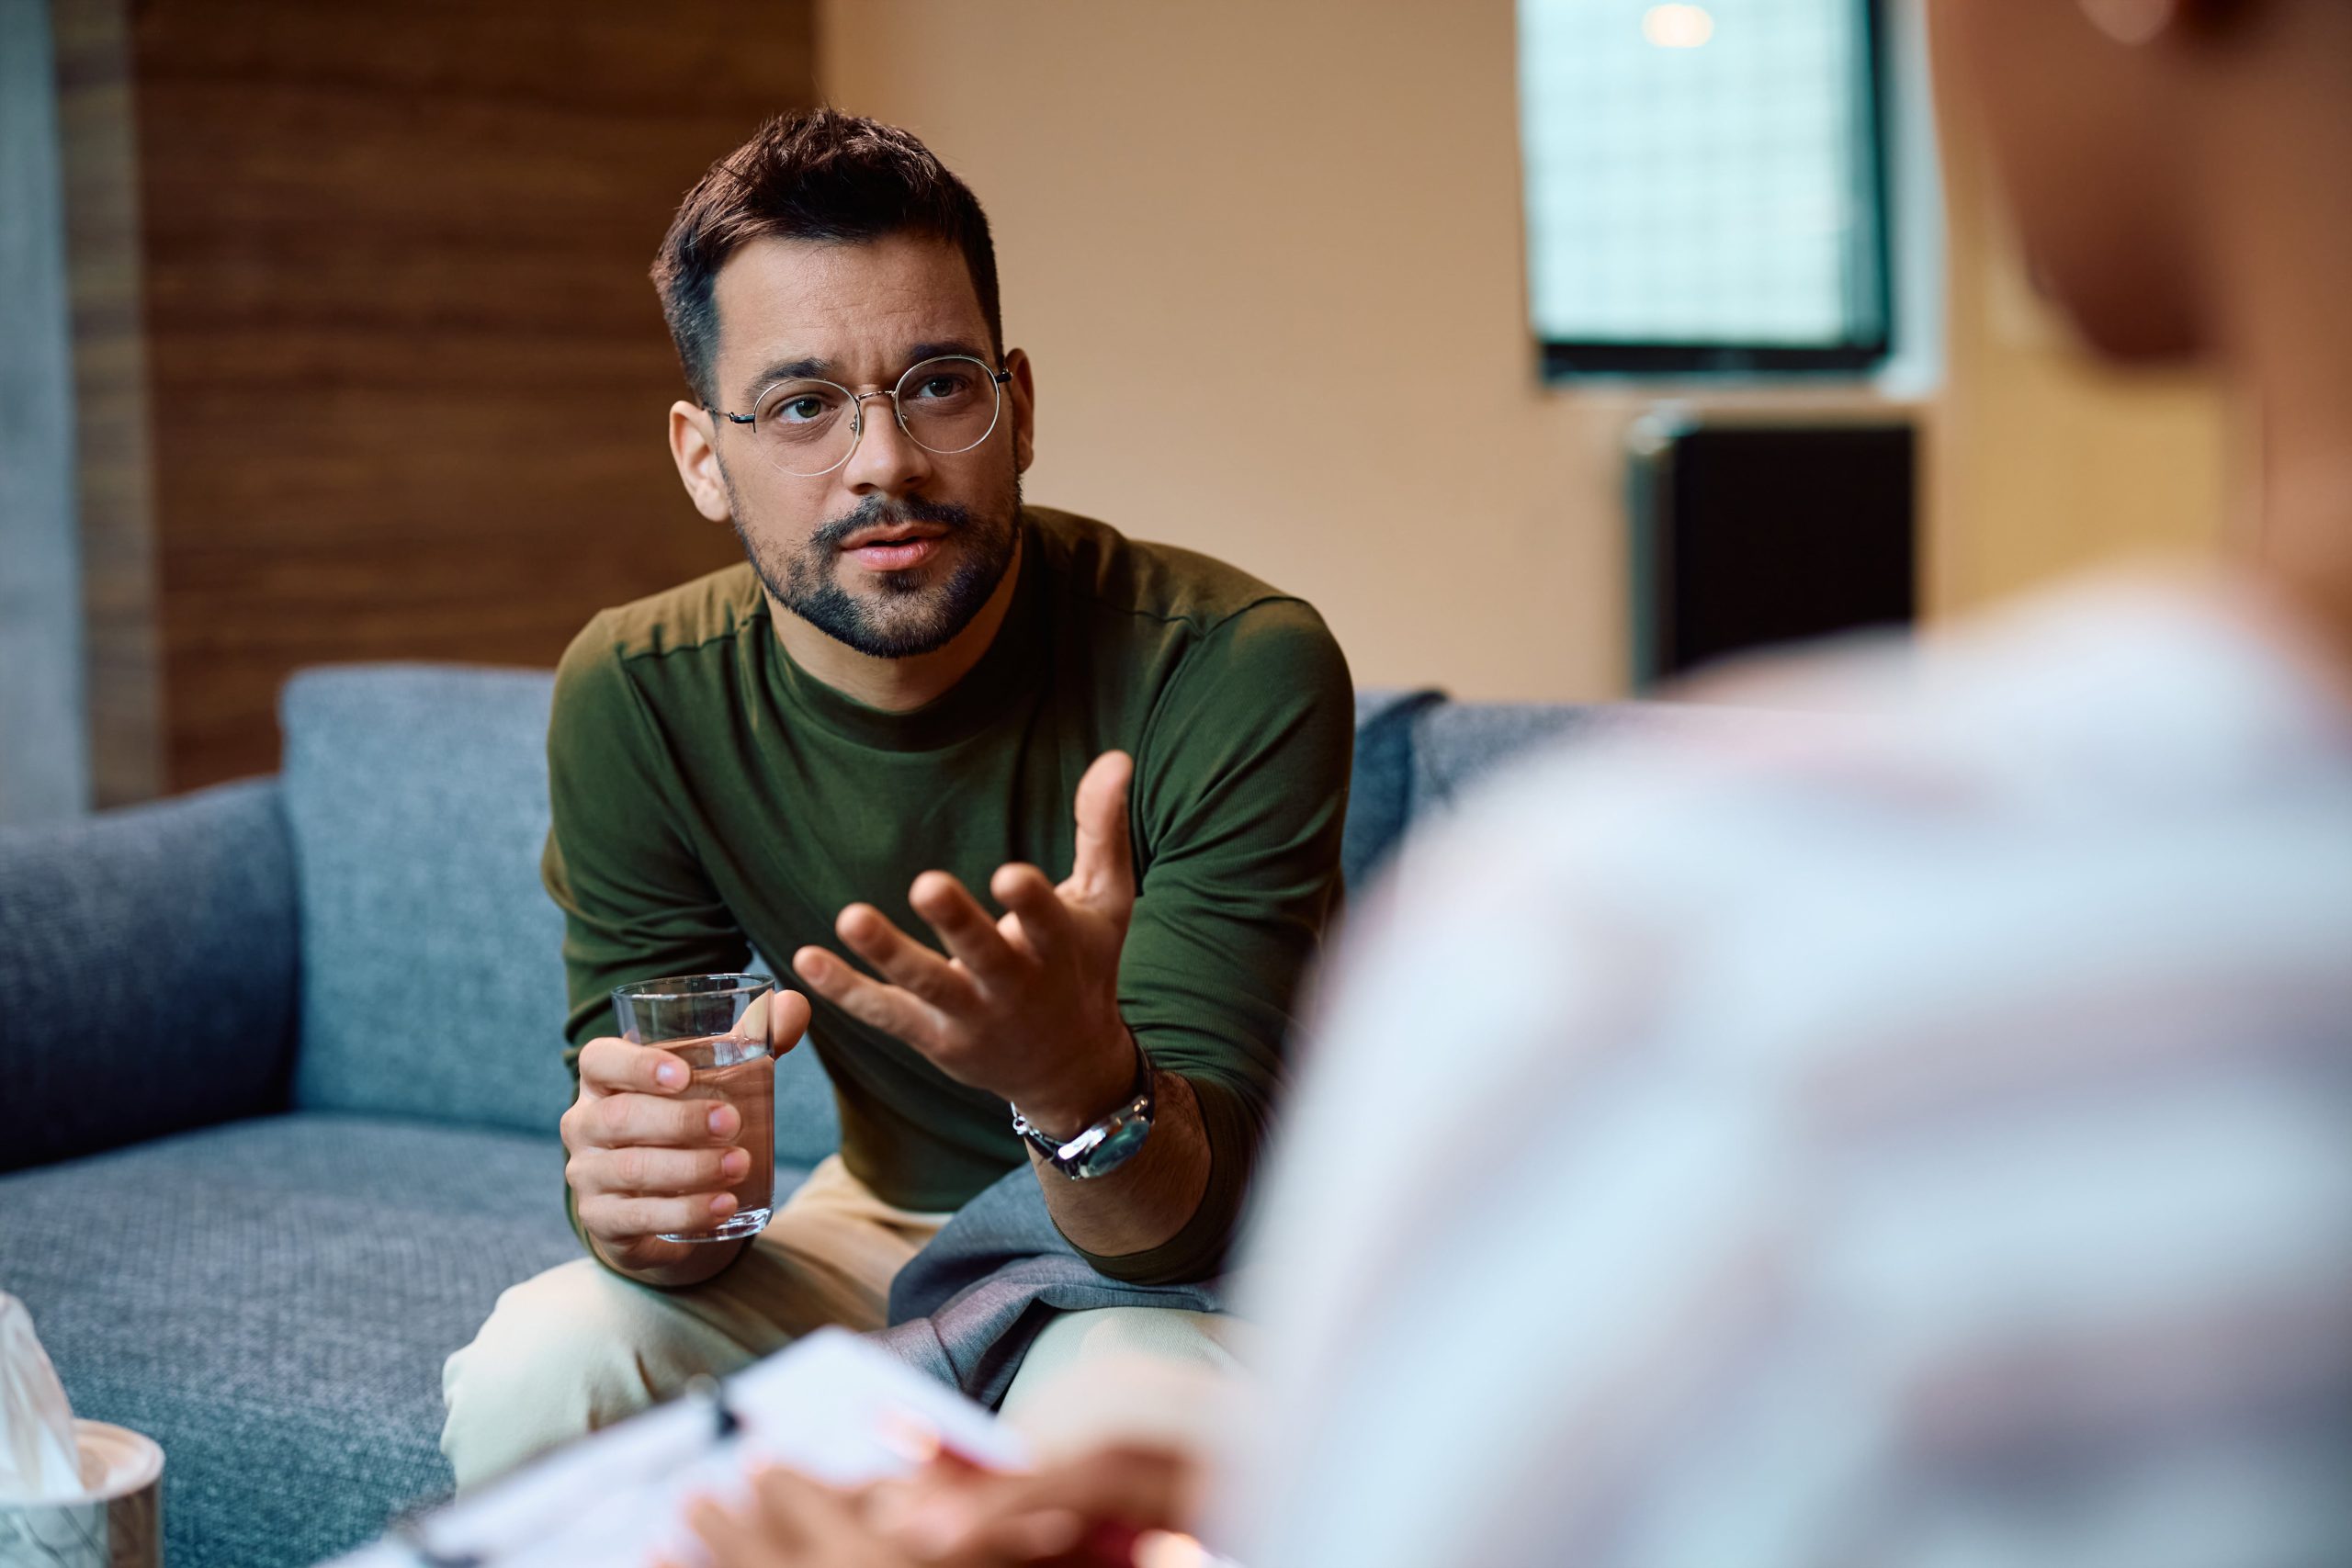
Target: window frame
pixel 1576 360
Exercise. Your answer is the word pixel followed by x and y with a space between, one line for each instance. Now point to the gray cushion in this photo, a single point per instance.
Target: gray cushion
pixel 1457 746
pixel 272 1302
pixel 1380 790
pixel 432 956
pixel 147 958
pixel 432 964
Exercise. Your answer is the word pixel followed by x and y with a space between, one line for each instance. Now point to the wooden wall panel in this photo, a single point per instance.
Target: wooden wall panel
pixel 101 181
pixel 408 381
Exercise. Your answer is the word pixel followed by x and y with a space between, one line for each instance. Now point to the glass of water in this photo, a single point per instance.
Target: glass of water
pixel 720 1026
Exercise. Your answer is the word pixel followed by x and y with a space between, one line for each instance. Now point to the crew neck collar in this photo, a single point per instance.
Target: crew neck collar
pixel 972 704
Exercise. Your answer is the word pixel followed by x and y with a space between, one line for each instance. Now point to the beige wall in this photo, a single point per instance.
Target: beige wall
pixel 2044 462
pixel 1267 255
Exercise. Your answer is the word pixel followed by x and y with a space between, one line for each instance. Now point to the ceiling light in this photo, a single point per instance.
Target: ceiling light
pixel 1677 27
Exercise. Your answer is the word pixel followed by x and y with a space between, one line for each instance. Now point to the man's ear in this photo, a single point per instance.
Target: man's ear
pixel 696 455
pixel 1023 388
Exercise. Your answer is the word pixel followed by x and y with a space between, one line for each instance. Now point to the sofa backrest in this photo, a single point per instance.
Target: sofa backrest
pixel 1419 753
pixel 431 961
pixel 431 975
pixel 148 958
pixel 432 970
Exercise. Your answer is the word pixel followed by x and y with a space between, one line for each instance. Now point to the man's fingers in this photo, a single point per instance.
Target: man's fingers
pixel 613 1216
pixel 609 1065
pixel 1045 919
pixel 964 928
pixel 620 1121
pixel 780 1018
pixel 904 962
pixel 660 1173
pixel 887 1008
pixel 1102 869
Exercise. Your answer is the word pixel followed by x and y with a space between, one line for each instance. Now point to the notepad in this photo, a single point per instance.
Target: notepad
pixel 831 1405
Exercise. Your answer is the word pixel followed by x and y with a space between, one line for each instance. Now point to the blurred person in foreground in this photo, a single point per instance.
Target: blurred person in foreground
pixel 916 693
pixel 1922 1143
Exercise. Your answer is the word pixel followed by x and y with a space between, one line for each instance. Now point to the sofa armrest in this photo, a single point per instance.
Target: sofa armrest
pixel 148 966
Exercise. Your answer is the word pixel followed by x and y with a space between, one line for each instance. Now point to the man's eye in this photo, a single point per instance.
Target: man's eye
pixel 940 387
pixel 798 410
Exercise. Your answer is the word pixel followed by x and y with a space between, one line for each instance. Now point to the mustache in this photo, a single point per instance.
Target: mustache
pixel 882 512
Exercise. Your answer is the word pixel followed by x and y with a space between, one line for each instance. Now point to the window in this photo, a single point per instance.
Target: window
pixel 1706 186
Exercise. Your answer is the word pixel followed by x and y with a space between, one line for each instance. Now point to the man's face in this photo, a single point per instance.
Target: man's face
pixel 895 551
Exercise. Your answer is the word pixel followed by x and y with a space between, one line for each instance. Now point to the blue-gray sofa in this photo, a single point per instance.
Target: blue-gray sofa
pixel 280 1072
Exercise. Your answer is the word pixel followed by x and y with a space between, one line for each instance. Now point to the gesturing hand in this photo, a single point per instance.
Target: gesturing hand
pixel 1026 1006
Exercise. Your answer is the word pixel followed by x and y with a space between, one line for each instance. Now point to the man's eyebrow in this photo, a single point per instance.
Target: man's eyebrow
pixel 810 368
pixel 816 369
pixel 923 351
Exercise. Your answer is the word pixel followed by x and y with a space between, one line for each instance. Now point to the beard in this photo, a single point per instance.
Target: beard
pixel 905 615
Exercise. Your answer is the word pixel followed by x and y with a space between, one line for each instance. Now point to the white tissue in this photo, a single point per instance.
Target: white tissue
pixel 37 1451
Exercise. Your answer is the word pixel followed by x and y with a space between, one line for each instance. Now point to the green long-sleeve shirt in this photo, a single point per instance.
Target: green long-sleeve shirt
pixel 709 795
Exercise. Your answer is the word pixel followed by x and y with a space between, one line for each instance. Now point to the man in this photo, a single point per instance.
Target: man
pixel 917 694
pixel 1926 1141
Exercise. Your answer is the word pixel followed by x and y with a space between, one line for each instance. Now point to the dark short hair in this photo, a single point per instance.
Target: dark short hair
pixel 819 174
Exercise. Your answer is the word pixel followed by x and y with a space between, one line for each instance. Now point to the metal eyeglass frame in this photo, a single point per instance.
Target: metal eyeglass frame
pixel 997 379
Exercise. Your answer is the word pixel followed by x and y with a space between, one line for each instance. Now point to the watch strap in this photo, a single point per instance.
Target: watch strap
pixel 1105 1144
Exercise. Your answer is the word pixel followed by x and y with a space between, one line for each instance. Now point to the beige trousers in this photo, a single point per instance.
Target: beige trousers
pixel 579 1347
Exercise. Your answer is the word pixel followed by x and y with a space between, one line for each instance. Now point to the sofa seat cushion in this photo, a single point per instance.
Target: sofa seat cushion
pixel 272 1301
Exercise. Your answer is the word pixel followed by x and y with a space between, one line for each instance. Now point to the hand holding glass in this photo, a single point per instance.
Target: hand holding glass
pixel 722 1028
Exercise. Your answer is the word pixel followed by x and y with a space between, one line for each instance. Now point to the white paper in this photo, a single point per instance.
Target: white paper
pixel 38 1458
pixel 832 1405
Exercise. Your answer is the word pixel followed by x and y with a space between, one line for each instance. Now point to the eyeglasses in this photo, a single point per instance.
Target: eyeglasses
pixel 946 405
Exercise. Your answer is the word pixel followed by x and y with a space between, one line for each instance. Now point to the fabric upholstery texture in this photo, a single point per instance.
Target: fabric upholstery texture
pixel 1456 743
pixel 1380 792
pixel 271 1301
pixel 432 962
pixel 147 958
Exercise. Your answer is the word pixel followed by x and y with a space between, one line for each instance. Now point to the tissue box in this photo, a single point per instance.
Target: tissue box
pixel 119 1523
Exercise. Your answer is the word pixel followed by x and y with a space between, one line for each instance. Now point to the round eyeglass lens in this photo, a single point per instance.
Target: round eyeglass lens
pixel 806 427
pixel 948 405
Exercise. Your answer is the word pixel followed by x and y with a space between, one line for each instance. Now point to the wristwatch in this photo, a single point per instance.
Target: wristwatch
pixel 1110 1142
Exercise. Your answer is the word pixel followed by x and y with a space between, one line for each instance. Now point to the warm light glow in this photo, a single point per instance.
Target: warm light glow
pixel 1677 27
pixel 1165 1548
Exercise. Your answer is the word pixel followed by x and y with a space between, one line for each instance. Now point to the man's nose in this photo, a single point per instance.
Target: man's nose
pixel 887 459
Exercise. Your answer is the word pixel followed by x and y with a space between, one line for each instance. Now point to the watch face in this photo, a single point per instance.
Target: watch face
pixel 1113 1150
